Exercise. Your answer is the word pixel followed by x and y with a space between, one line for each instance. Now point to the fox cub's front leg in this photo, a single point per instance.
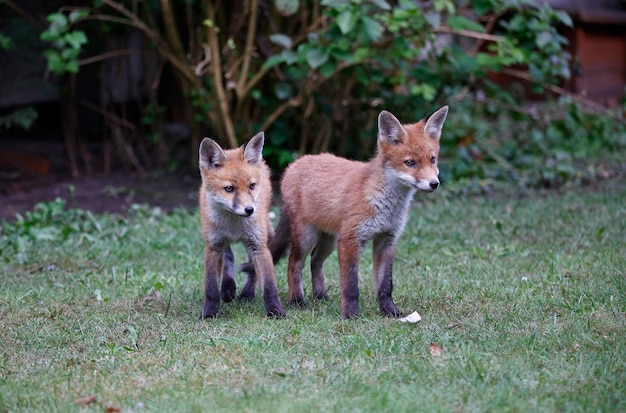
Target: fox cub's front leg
pixel 263 265
pixel 384 253
pixel 213 264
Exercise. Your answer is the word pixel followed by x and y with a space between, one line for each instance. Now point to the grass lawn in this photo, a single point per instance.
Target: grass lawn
pixel 523 304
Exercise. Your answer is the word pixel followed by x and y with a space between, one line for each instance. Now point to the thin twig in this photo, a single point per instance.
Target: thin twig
pixel 111 54
pixel 564 92
pixel 470 33
pixel 24 14
pixel 107 114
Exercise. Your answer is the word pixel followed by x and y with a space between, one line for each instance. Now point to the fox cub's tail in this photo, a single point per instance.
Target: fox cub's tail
pixel 278 244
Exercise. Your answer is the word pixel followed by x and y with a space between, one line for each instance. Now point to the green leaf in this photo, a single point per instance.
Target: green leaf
pixel 76 39
pixel 76 15
pixel 544 38
pixel 72 67
pixel 290 57
pixel 48 36
pixel 283 90
pixel 372 28
pixel 334 3
pixel 462 23
pixel 273 60
pixel 327 69
pixel 361 54
pixel 69 54
pixel 52 56
pixel 339 54
pixel 564 18
pixel 57 19
pixel 433 18
pixel 482 6
pixel 316 57
pixel 346 21
pixel 424 90
pixel 382 4
pixel 281 40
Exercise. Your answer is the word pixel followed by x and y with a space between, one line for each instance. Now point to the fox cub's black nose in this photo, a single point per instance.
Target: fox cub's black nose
pixel 434 184
pixel 249 210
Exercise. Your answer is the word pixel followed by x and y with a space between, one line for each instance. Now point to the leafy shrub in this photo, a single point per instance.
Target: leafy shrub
pixel 315 75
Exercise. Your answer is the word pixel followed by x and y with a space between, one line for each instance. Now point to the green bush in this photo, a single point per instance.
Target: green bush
pixel 314 75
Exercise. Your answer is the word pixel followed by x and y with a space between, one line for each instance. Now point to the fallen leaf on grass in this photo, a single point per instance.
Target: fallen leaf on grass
pixel 112 409
pixel 84 401
pixel 436 350
pixel 414 317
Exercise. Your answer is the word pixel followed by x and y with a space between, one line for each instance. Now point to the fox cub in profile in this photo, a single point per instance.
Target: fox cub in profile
pixel 235 198
pixel 330 201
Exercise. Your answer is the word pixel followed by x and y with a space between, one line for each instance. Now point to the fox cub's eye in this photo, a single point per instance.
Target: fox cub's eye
pixel 252 186
pixel 433 160
pixel 410 163
pixel 229 188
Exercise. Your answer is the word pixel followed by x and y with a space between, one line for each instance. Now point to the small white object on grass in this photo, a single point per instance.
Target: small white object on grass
pixel 414 317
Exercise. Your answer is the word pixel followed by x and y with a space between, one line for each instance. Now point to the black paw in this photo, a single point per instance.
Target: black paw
pixel 247 293
pixel 299 302
pixel 229 290
pixel 389 309
pixel 210 309
pixel 350 310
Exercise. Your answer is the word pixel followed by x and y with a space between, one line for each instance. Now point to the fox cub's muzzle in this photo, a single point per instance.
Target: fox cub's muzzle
pixel 427 186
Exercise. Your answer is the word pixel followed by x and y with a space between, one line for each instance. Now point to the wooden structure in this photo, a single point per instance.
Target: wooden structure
pixel 597 43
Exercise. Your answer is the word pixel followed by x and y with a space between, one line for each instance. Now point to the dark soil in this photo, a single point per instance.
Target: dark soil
pixel 113 193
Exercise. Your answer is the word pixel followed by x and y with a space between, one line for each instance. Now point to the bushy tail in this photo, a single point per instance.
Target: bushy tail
pixel 278 244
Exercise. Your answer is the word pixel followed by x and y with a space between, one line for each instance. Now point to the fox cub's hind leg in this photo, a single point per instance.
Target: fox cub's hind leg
pixel 324 247
pixel 248 291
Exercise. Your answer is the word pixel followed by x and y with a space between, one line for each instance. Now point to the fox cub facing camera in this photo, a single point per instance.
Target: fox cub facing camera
pixel 234 200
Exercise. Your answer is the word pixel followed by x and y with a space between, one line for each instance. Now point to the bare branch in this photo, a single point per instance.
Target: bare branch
pixel 216 66
pixel 171 30
pixel 112 54
pixel 199 69
pixel 247 53
pixel 470 33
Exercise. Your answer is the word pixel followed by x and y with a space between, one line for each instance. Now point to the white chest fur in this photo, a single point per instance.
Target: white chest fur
pixel 391 204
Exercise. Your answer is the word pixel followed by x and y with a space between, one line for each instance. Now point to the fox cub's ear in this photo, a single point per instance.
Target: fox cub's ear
pixel 253 150
pixel 390 129
pixel 211 154
pixel 434 123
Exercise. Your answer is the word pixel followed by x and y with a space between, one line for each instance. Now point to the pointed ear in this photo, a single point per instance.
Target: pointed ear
pixel 253 150
pixel 434 123
pixel 211 154
pixel 390 130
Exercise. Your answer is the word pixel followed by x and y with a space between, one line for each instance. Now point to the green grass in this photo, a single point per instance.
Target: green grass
pixel 525 295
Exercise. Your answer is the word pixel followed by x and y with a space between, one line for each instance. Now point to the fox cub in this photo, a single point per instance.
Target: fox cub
pixel 330 201
pixel 234 200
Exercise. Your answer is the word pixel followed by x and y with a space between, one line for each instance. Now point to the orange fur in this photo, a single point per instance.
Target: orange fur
pixel 329 200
